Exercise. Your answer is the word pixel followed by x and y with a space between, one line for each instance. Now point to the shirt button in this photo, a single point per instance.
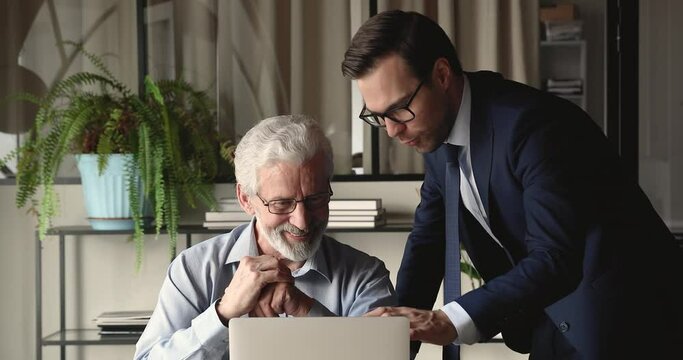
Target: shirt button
pixel 564 326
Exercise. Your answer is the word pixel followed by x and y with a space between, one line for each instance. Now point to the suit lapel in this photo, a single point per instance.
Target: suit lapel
pixel 481 141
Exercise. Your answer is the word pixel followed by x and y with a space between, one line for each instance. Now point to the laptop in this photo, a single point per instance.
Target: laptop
pixel 317 338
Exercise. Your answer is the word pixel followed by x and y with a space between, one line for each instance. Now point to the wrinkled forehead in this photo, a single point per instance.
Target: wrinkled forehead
pixel 294 177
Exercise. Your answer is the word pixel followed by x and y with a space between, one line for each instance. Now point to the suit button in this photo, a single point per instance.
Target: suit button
pixel 564 327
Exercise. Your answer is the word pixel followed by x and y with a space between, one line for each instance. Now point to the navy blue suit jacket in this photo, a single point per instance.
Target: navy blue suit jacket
pixel 589 250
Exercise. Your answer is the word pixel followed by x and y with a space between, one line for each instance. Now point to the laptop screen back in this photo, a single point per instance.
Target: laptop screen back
pixel 316 338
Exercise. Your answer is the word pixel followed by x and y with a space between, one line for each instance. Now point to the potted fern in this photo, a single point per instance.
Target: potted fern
pixel 165 142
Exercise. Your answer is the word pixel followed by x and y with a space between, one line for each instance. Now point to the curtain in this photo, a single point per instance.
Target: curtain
pixel 270 57
pixel 260 58
pixel 660 108
pixel 282 57
pixel 497 35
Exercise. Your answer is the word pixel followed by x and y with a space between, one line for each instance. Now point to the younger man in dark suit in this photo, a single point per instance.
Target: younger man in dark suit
pixel 577 263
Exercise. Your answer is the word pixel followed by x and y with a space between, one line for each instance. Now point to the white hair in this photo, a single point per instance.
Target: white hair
pixel 287 138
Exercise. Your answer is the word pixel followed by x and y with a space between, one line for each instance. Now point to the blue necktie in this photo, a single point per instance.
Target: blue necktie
pixel 452 256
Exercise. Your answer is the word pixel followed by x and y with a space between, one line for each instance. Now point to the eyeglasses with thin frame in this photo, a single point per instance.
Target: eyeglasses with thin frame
pixel 400 114
pixel 287 206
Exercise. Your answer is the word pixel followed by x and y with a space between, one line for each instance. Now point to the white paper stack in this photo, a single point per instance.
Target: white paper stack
pixel 356 213
pixel 228 215
pixel 565 86
pixel 123 322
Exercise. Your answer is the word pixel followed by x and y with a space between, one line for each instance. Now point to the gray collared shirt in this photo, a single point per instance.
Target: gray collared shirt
pixel 342 280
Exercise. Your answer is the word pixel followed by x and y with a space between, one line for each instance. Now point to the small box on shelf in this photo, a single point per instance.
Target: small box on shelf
pixel 558 12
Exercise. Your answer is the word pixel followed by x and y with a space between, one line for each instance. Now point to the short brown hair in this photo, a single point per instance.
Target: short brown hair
pixel 416 38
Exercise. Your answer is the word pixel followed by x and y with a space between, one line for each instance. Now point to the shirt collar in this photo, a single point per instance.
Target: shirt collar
pixel 246 246
pixel 317 262
pixel 460 132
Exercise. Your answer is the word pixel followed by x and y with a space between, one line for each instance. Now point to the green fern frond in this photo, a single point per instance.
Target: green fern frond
pixel 135 209
pixel 47 158
pixel 70 130
pixel 153 90
pixel 28 174
pixel 105 146
pixel 159 187
pixel 204 192
pixel 172 216
pixel 11 155
pixel 47 210
pixel 94 59
pixel 22 96
pixel 145 159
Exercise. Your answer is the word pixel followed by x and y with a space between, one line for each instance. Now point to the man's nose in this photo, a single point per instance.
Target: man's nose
pixel 393 128
pixel 300 217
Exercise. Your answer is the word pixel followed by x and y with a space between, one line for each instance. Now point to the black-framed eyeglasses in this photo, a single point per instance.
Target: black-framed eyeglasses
pixel 400 114
pixel 287 206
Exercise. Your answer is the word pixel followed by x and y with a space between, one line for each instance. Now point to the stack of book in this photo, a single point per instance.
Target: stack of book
pixel 564 86
pixel 228 215
pixel 356 213
pixel 123 322
pixel 563 31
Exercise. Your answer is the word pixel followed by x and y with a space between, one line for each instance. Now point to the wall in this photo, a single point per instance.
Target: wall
pixel 16 278
pixel 661 108
pixel 101 276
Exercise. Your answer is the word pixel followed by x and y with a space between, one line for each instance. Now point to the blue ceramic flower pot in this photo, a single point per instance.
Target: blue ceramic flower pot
pixel 106 196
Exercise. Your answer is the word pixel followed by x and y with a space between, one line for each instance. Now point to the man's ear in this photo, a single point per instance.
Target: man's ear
pixel 442 73
pixel 243 198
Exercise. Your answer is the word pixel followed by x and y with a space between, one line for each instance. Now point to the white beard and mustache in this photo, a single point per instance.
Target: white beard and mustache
pixel 298 251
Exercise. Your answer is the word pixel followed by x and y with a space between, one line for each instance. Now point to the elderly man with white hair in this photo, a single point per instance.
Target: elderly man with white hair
pixel 279 264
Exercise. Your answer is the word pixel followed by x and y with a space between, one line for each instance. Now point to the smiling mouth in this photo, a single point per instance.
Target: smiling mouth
pixel 300 237
pixel 410 142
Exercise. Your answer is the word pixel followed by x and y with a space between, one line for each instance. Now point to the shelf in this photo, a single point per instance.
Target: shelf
pixel 199 229
pixel 398 227
pixel 87 337
pixel 569 96
pixel 565 59
pixel 88 230
pixel 678 235
pixel 563 42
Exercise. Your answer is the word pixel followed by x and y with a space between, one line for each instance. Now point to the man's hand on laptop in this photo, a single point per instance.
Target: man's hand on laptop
pixel 282 298
pixel 433 327
pixel 244 291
